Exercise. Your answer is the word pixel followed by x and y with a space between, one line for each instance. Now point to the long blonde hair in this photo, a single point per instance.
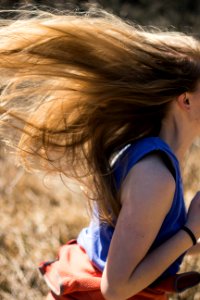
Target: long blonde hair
pixel 77 88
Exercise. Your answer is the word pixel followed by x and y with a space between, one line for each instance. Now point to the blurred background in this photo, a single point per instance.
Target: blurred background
pixel 181 14
pixel 38 213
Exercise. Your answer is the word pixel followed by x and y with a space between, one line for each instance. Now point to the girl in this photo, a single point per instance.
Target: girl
pixel 116 107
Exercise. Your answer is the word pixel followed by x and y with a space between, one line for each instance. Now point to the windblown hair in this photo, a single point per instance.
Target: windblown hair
pixel 80 87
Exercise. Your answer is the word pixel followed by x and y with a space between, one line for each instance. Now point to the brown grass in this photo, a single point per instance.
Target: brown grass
pixel 37 215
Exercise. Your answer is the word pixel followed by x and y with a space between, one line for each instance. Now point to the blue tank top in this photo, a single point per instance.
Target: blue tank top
pixel 96 238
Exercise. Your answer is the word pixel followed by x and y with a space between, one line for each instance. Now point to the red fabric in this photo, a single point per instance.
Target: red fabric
pixel 73 277
pixel 72 272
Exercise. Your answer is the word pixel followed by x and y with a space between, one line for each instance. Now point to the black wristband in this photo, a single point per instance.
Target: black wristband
pixel 191 234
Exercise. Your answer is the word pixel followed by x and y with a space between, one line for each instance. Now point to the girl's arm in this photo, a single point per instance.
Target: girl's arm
pixel 147 195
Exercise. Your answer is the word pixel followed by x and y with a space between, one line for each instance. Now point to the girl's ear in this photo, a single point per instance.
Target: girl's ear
pixel 184 101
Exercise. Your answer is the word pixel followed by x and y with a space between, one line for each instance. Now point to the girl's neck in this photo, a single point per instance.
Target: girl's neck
pixel 178 136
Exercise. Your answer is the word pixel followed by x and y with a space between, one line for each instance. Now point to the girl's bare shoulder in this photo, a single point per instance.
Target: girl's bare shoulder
pixel 150 176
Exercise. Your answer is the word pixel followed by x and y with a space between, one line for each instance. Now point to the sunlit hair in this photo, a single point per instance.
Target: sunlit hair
pixel 77 88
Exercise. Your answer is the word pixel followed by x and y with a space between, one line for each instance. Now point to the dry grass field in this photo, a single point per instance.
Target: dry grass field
pixel 37 215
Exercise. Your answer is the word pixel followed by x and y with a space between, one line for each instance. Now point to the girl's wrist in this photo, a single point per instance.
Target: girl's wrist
pixel 185 239
pixel 194 229
pixel 190 233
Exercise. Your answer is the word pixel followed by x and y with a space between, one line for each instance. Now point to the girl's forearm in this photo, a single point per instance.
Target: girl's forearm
pixel 152 266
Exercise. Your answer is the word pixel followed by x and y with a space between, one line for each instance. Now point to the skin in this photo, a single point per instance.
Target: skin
pixel 146 198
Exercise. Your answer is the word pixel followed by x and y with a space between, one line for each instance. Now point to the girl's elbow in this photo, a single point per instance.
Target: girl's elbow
pixel 115 287
pixel 112 292
pixel 109 294
pixel 107 291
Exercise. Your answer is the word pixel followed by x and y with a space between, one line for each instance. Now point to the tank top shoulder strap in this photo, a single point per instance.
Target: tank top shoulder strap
pixel 134 152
